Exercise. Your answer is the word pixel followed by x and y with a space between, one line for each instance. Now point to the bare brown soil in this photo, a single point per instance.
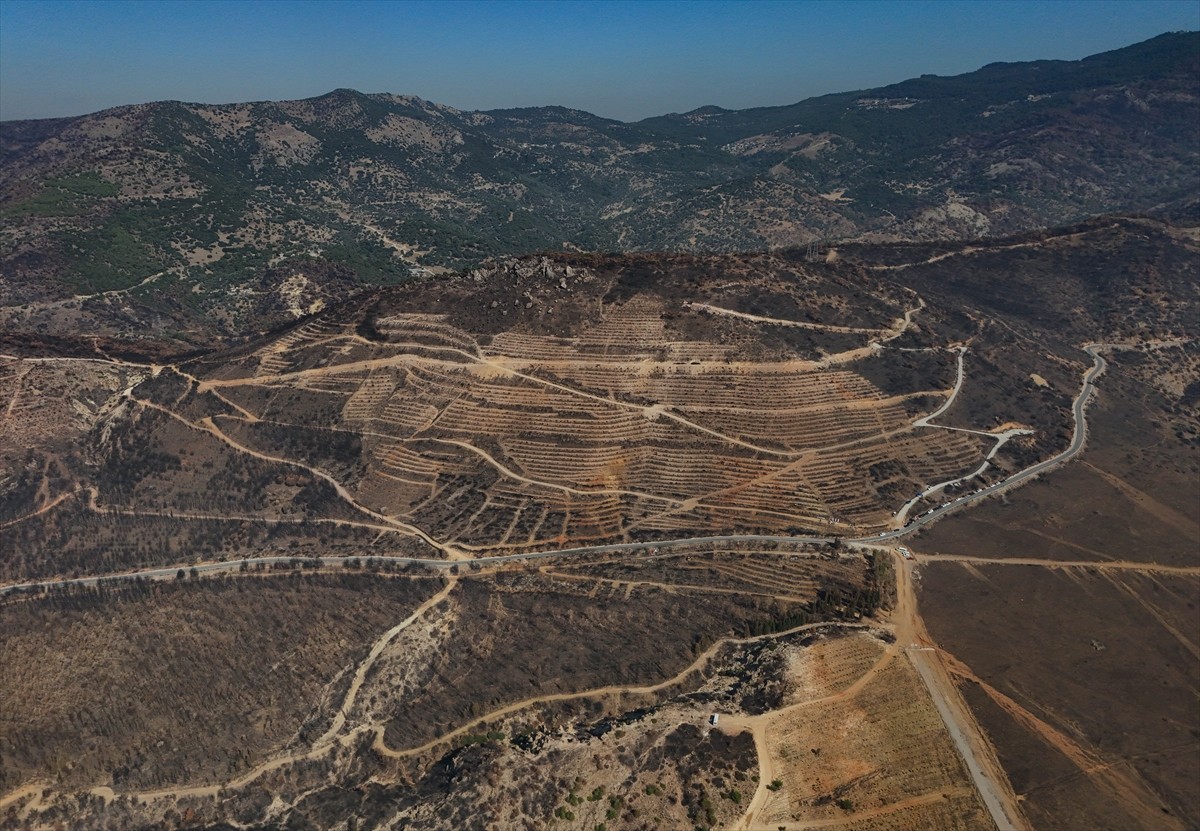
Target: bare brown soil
pixel 882 747
pixel 1099 671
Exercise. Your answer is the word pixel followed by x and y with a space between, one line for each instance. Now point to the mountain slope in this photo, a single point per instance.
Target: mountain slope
pixel 174 206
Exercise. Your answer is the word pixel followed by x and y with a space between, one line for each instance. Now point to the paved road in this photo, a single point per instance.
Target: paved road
pixel 171 572
pixel 1077 443
pixel 960 733
pixel 964 730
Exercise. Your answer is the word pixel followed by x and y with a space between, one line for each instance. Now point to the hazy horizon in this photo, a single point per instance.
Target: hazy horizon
pixel 621 60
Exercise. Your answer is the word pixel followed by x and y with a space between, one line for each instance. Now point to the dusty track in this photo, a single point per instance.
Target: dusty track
pixel 207 425
pixel 331 739
pixel 973 746
pixel 1093 565
pixel 618 689
pixel 969 250
pixel 360 675
pixel 48 506
pixel 512 474
pixel 776 321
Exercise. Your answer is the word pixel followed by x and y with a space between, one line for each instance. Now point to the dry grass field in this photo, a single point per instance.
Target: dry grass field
pixel 858 744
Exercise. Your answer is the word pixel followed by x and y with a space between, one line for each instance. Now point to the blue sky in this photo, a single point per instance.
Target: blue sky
pixel 624 60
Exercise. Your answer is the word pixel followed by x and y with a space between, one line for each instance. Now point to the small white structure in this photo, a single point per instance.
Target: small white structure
pixel 713 719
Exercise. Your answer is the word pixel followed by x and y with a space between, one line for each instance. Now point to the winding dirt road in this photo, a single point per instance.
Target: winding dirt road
pixel 911 635
pixel 360 675
pixel 617 689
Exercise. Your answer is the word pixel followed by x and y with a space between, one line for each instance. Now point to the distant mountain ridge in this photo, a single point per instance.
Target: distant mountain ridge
pixel 192 204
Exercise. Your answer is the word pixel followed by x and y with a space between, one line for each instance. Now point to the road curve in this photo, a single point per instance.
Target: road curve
pixel 1078 440
pixel 1077 443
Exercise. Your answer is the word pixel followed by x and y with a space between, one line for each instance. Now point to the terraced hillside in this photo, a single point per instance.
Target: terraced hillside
pixel 533 525
pixel 544 404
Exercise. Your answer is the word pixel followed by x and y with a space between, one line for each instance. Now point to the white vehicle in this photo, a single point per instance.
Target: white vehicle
pixel 713 719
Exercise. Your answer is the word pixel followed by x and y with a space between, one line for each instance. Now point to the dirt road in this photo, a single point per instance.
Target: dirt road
pixel 974 748
pixel 1097 565
pixel 619 689
pixel 360 675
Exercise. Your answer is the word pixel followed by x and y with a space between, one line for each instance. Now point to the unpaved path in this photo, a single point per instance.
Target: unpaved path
pixel 48 506
pixel 339 720
pixel 901 516
pixel 1185 641
pixel 263 520
pixel 512 474
pixel 959 379
pixel 1098 565
pixel 980 758
pixel 35 789
pixel 776 321
pixel 326 742
pixel 1078 441
pixel 501 365
pixel 1163 513
pixel 898 328
pixel 618 689
pixel 767 772
pixel 114 292
pixel 206 425
pixel 985 249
